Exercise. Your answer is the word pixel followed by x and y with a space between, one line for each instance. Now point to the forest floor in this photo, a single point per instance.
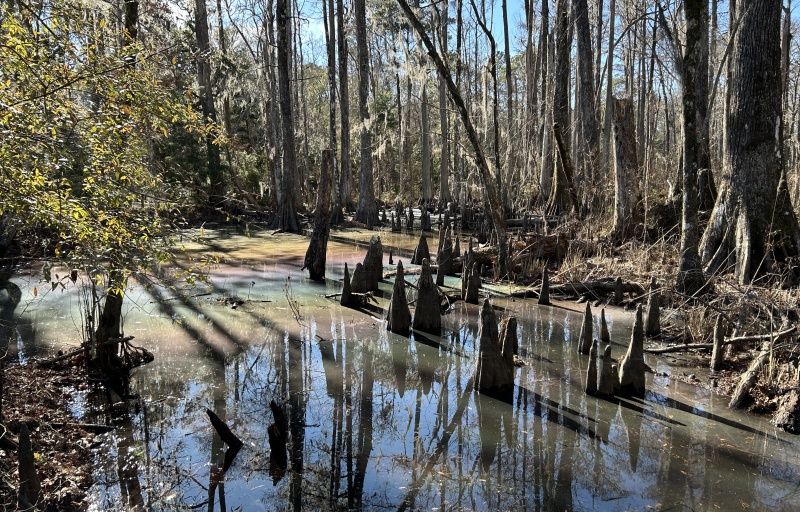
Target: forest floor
pixel 41 398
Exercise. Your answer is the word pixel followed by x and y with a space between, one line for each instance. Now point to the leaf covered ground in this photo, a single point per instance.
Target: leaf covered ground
pixel 42 398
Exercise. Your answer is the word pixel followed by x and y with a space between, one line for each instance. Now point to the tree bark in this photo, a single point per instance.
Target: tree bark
pixel 286 215
pixel 426 147
pixel 626 196
pixel 318 246
pixel 212 177
pixel 367 210
pixel 588 121
pixel 345 174
pixel 690 276
pixel 753 225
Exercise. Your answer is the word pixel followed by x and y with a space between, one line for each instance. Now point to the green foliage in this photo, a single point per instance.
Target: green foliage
pixel 80 110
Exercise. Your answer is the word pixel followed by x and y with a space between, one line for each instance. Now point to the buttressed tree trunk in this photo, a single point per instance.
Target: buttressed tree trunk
pixel 753 225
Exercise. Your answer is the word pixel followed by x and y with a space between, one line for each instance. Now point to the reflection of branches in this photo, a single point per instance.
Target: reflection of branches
pixel 293 305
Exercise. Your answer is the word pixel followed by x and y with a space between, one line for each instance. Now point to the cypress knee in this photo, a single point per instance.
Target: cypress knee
pixel 631 371
pixel 427 315
pixel 606 384
pixel 653 325
pixel 399 316
pixel 585 338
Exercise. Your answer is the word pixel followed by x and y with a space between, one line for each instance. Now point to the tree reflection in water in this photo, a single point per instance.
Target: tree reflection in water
pixel 377 421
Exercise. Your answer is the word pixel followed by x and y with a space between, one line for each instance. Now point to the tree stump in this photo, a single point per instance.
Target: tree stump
pixel 618 291
pixel 373 264
pixel 653 325
pixel 591 372
pixel 410 219
pixel 544 293
pixel 425 221
pixel 631 372
pixel 491 370
pixel 606 383
pixel 421 252
pixel 585 338
pixel 29 483
pixel 604 336
pixel 427 315
pixel 399 316
pixel 318 246
pixel 718 352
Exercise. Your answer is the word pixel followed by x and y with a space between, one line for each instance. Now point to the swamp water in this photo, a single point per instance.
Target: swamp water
pixel 384 422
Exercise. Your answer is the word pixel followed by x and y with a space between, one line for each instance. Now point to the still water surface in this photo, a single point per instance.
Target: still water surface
pixel 383 422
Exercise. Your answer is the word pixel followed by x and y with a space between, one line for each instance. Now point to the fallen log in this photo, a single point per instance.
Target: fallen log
pixel 599 286
pixel 749 378
pixel 730 341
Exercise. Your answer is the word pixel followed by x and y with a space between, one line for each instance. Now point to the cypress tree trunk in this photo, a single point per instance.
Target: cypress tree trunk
pixel 286 216
pixel 367 210
pixel 753 224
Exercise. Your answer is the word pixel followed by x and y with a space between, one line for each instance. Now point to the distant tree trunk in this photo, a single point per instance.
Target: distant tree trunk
pixel 487 178
pixel 626 196
pixel 330 42
pixel 753 225
pixel 318 246
pixel 562 198
pixel 606 147
pixel 211 179
pixel 426 146
pixel 588 121
pixel 690 276
pixel 444 119
pixel 367 210
pixel 546 111
pixel 286 214
pixel 706 188
pixel 508 165
pixel 345 174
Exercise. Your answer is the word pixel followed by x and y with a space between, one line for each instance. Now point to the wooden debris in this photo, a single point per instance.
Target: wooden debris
pixel 717 352
pixel 787 417
pixel 596 287
pixel 741 394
